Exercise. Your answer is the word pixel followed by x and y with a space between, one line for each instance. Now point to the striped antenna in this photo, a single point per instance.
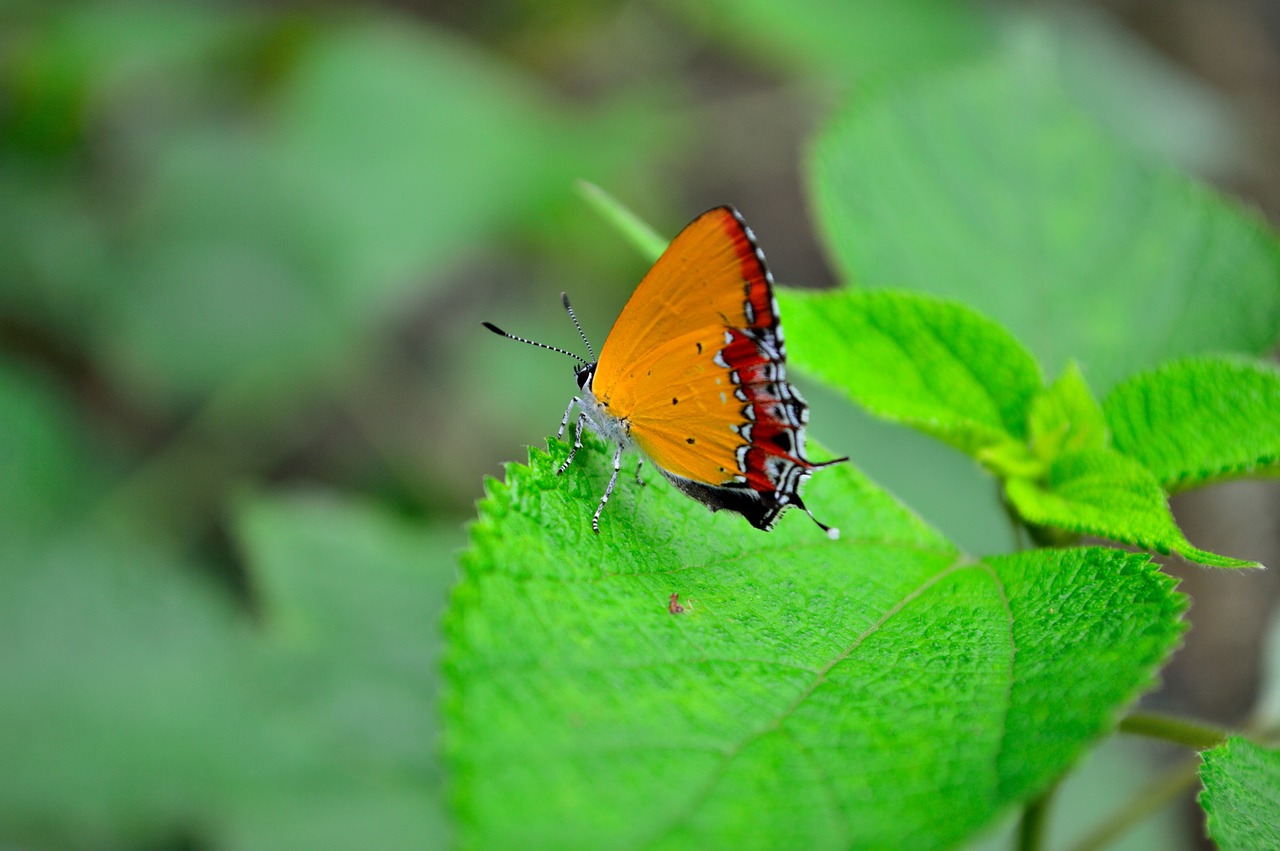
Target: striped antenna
pixel 495 329
pixel 564 297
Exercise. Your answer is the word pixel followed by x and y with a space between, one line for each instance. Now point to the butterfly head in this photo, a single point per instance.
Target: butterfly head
pixel 583 373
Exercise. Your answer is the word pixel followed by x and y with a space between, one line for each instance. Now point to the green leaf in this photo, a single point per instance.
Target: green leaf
pixel 50 474
pixel 346 677
pixel 123 717
pixel 845 39
pixel 144 704
pixel 79 59
pixel 1241 796
pixel 1198 420
pixel 272 247
pixel 876 691
pixel 1104 493
pixel 990 186
pixel 932 364
pixel 1132 88
pixel 1066 418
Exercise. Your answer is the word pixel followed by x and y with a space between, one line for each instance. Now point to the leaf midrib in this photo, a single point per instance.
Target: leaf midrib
pixel 775 725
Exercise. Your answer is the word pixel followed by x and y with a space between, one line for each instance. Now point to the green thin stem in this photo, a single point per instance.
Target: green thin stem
pixel 642 237
pixel 1170 729
pixel 1169 787
pixel 1153 797
pixel 1033 827
pixel 1015 523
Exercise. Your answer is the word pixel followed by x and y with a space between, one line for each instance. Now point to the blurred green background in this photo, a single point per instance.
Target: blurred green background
pixel 246 403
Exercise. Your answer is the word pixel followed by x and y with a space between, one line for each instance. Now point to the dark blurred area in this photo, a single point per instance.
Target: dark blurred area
pixel 245 250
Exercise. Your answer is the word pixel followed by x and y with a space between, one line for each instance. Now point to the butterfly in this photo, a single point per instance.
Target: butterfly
pixel 693 375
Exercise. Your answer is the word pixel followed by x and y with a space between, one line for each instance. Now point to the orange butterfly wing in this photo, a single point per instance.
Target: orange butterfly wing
pixel 694 362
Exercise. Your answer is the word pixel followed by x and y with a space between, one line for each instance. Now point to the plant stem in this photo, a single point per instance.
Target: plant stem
pixel 1015 524
pixel 1173 783
pixel 1155 795
pixel 1035 817
pixel 642 237
pixel 1176 730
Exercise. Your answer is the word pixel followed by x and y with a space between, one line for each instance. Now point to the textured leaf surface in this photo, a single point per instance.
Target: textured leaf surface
pixel 874 691
pixel 1199 419
pixel 1241 796
pixel 1106 494
pixel 1066 418
pixel 990 186
pixel 926 362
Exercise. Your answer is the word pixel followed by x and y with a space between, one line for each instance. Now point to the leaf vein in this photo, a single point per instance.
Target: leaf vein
pixel 700 797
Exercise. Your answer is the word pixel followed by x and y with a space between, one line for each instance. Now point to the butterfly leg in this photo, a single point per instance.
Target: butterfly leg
pixel 577 441
pixel 564 421
pixel 639 464
pixel 617 465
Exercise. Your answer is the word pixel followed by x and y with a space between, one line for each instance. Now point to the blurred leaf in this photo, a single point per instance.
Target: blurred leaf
pixel 1241 796
pixel 123 719
pixel 1117 77
pixel 1065 417
pixel 810 693
pixel 1130 87
pixel 416 144
pixel 52 248
pixel 91 76
pixel 264 190
pixel 988 185
pixel 348 680
pixel 353 588
pixel 1198 420
pixel 51 475
pixel 1101 492
pixel 388 152
pixel 63 68
pixel 140 705
pixel 846 39
pixel 935 365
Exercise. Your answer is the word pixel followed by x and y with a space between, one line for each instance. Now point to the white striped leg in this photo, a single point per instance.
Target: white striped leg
pixel 639 464
pixel 577 441
pixel 617 465
pixel 564 421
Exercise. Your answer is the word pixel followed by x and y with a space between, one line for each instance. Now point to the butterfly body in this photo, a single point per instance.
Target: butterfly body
pixel 693 374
